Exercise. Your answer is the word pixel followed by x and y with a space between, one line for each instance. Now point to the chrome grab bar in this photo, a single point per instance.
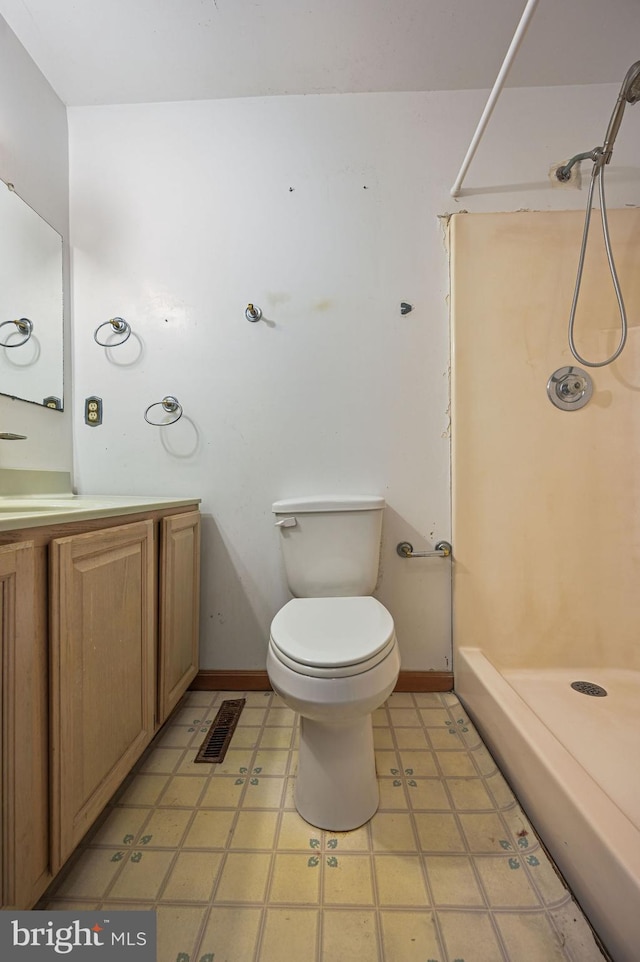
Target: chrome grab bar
pixel 405 550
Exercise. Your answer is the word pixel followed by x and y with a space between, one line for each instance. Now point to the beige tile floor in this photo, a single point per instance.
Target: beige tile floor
pixel 448 870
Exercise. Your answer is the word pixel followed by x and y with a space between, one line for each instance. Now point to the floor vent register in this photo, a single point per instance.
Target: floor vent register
pixel 214 747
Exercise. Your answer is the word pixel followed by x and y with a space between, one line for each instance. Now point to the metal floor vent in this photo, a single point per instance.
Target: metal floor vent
pixel 216 742
pixel 588 688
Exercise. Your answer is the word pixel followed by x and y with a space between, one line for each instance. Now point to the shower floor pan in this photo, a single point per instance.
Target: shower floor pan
pixel 573 763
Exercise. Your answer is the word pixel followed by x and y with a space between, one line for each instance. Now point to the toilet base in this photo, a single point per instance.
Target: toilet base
pixel 336 787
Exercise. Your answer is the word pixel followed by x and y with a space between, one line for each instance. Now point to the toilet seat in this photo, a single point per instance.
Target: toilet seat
pixel 332 637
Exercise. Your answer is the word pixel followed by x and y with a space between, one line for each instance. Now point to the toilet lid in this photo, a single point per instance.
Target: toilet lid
pixel 332 633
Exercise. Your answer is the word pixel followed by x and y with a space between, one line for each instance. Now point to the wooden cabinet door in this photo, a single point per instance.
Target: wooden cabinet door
pixel 24 805
pixel 102 671
pixel 179 608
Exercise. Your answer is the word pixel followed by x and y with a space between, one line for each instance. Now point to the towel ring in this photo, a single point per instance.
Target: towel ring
pixel 170 405
pixel 24 326
pixel 118 326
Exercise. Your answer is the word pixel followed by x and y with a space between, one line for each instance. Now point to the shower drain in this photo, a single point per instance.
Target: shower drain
pixel 588 688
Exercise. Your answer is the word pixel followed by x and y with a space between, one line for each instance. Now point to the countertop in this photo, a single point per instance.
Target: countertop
pixel 37 510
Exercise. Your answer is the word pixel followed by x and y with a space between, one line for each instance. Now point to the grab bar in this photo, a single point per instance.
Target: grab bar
pixel 405 550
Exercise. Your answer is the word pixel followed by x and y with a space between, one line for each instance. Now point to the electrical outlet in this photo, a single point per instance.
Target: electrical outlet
pixel 93 411
pixel 54 403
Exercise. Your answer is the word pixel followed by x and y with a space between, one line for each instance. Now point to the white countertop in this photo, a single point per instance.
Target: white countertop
pixel 36 510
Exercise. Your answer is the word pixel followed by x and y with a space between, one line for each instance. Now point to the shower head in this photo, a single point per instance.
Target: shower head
pixel 631 84
pixel 629 94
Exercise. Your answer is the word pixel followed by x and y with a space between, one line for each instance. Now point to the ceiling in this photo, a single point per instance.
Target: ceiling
pixel 136 51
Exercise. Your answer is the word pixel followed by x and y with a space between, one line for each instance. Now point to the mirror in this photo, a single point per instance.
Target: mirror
pixel 31 355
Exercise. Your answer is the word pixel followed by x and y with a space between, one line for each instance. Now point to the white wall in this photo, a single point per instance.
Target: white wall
pixel 324 212
pixel 34 157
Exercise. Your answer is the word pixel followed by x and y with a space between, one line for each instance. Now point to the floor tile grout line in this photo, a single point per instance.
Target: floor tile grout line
pixel 422 860
pixel 376 893
pixel 436 920
pixel 455 812
pixel 478 878
pixel 227 851
pixel 272 862
pixel 470 856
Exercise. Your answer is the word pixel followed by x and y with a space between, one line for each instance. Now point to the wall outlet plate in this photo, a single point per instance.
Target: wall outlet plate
pixel 93 411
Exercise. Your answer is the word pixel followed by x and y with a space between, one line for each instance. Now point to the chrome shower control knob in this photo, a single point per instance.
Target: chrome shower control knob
pixel 570 385
pixel 569 388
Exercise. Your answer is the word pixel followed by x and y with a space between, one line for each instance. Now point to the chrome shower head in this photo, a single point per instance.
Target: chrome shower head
pixel 631 84
pixel 629 94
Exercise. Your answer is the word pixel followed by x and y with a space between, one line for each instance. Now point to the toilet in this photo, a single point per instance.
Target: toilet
pixel 333 655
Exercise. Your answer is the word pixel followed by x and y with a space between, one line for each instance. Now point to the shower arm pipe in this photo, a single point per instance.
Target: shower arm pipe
pixel 596 155
pixel 514 46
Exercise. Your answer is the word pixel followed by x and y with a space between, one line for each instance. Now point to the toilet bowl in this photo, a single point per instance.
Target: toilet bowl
pixel 333 655
pixel 334 661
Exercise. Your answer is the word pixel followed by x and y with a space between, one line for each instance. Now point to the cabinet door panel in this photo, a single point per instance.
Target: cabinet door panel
pixel 179 608
pixel 103 679
pixel 23 805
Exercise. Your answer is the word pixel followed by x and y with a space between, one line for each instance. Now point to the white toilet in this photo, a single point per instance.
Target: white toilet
pixel 333 655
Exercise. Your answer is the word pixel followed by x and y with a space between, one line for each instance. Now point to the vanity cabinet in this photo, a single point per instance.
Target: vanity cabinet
pixel 99 622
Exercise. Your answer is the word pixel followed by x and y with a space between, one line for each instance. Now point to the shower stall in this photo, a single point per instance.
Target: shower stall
pixel 546 531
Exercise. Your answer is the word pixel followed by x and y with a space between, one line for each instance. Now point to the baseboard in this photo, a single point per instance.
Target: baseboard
pixel 425 681
pixel 212 680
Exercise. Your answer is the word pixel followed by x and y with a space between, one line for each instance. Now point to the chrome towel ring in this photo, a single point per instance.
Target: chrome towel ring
pixel 170 405
pixel 24 326
pixel 118 326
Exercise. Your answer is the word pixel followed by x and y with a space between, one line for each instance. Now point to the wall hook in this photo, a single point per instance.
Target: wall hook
pixel 406 308
pixel 253 313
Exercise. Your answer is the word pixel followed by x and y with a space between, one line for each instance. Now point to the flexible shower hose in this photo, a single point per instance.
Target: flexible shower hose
pixel 597 174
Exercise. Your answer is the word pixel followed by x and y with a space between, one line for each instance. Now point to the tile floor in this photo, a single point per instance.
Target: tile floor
pixel 448 870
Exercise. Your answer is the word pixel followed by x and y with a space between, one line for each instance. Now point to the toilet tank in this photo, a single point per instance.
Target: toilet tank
pixel 330 544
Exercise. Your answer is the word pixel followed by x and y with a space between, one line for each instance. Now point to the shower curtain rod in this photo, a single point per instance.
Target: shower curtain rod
pixel 495 92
